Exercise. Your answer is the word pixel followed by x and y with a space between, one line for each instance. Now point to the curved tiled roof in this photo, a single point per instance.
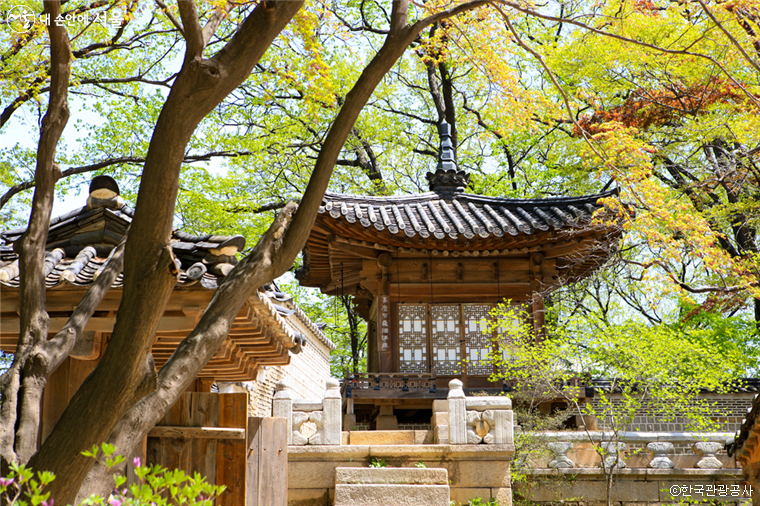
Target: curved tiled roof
pixel 462 215
pixel 79 243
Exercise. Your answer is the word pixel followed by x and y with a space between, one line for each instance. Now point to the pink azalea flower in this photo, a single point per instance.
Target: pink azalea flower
pixel 136 461
pixel 51 503
pixel 5 481
pixel 113 501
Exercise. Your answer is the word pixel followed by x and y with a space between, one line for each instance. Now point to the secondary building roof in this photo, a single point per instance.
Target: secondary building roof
pixel 79 247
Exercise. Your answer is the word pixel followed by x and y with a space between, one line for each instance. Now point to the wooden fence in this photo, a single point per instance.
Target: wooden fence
pixel 211 434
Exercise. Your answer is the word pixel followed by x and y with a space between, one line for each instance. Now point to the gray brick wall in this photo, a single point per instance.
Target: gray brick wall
pixel 728 411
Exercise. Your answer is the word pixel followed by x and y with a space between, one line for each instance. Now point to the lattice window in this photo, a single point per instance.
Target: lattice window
pixel 447 347
pixel 510 329
pixel 478 339
pixel 412 338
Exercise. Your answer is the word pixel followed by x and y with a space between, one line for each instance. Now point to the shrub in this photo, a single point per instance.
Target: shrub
pixel 155 486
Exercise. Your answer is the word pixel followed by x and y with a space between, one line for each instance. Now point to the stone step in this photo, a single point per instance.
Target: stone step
pixel 387 486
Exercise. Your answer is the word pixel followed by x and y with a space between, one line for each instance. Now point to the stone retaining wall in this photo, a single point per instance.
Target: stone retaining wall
pixel 474 470
pixel 632 487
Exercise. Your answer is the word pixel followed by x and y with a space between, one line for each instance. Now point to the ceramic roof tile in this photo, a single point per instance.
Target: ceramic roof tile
pixel 462 214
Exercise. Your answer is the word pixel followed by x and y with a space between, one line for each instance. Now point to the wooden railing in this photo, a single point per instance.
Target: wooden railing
pixel 388 381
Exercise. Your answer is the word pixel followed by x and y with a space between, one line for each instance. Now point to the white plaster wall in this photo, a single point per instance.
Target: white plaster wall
pixel 307 373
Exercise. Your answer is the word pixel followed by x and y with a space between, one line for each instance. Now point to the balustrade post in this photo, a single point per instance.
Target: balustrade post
pixel 561 460
pixel 659 450
pixel 457 413
pixel 331 408
pixel 707 450
pixel 612 457
pixel 282 406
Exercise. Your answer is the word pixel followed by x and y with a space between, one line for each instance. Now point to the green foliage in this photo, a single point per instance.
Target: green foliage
pixel 662 368
pixel 420 465
pixel 155 486
pixel 478 502
pixel 343 326
pixel 378 463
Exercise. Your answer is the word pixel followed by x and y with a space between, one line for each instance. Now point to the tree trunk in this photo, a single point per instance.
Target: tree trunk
pixel 23 389
pixel 113 387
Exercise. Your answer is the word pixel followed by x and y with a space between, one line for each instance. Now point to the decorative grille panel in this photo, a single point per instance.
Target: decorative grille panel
pixel 511 330
pixel 412 338
pixel 477 339
pixel 447 348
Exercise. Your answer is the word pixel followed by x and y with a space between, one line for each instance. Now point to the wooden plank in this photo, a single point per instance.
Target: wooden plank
pixel 205 412
pixel 267 467
pixel 230 458
pixel 197 432
pixel 55 398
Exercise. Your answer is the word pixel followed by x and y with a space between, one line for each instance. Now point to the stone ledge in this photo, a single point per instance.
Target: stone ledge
pixel 422 452
pixel 486 403
pixel 632 473
pixel 391 476
pixel 632 436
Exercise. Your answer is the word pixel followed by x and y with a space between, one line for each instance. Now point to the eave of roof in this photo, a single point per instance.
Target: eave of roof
pixel 462 215
pixel 79 244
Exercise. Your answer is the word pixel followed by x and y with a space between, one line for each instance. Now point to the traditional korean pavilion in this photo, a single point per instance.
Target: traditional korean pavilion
pixel 79 246
pixel 427 269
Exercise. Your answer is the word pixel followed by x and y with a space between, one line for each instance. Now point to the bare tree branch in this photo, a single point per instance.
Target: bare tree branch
pixel 171 16
pixel 26 185
pixel 214 21
pixel 730 37
pixel 193 32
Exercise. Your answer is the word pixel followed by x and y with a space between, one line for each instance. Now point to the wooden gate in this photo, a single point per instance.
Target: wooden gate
pixel 205 432
pixel 267 477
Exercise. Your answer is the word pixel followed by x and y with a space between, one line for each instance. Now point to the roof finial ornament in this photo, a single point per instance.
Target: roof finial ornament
pixel 104 192
pixel 447 179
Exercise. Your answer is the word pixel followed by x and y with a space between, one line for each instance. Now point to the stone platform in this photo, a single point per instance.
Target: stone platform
pixel 356 486
pixel 478 470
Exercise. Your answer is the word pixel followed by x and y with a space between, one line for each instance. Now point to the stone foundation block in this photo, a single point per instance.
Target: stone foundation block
pixel 382 437
pixel 440 406
pixel 386 422
pixel 440 418
pixel 592 491
pixel 492 474
pixel 423 437
pixel 391 476
pixel 503 495
pixel 463 495
pixel 396 495
pixel 441 434
pixel 310 497
pixel 309 475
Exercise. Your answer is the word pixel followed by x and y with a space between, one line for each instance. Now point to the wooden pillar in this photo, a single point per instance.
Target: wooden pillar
pixel 537 299
pixel 384 317
pixel 204 385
